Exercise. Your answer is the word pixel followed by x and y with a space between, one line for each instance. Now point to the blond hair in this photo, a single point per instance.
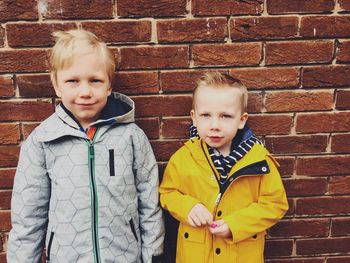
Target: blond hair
pixel 78 42
pixel 221 80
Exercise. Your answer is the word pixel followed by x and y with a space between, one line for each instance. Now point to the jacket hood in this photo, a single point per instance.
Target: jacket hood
pixel 119 109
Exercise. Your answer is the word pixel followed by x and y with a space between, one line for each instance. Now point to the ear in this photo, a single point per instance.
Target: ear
pixel 243 120
pixel 55 86
pixel 193 117
pixel 109 91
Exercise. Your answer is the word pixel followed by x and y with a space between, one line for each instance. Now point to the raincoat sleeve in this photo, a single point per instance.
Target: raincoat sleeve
pixel 29 204
pixel 171 198
pixel 150 213
pixel 271 206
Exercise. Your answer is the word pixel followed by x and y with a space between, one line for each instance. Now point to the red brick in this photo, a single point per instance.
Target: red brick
pixel 298 101
pixel 192 30
pixel 299 6
pixel 340 227
pixel 301 228
pixel 343 52
pixel 339 185
pixel 226 7
pixel 6 178
pixel 166 106
pixel 299 52
pixel 256 28
pixel 2 36
pixel 255 102
pixel 18 10
pixel 325 26
pixel 267 78
pixel 9 156
pixel 137 83
pixel 176 127
pixel 164 149
pixel 323 206
pixel 340 259
pixel 242 54
pixel 345 6
pixel 270 124
pixel 323 122
pixel 297 144
pixel 323 165
pixel 286 165
pixel 296 260
pixel 23 61
pixel 154 57
pixel 121 31
pixel 343 100
pixel 25 111
pixel 278 248
pixel 179 81
pixel 6 86
pixel 341 143
pixel 291 209
pixel 28 128
pixel 323 76
pixel 151 8
pixel 5 199
pixel 322 246
pixel 5 219
pixel 66 9
pixel 3 257
pixel 9 133
pixel 305 187
pixel 150 126
pixel 34 34
pixel 35 86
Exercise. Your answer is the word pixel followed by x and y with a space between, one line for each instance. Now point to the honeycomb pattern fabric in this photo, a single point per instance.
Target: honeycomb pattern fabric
pixel 55 186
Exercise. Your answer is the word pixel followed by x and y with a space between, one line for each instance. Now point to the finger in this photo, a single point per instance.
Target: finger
pixel 196 220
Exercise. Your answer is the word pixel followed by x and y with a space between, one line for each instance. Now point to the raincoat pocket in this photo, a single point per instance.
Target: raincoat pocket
pixel 191 244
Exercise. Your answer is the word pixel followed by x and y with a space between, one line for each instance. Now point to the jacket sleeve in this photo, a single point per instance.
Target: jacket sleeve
pixel 171 197
pixel 29 204
pixel 150 213
pixel 271 206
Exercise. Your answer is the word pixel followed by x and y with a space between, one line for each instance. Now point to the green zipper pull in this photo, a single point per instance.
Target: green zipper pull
pixel 91 151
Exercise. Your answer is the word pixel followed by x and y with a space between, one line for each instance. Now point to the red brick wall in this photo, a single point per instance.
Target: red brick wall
pixel 293 55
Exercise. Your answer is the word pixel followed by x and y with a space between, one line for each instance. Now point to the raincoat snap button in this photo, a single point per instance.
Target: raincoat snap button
pixel 255 236
pixel 264 169
pixel 219 213
pixel 217 251
pixel 186 235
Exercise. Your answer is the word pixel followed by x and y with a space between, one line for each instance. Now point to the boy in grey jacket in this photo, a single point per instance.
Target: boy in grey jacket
pixel 87 180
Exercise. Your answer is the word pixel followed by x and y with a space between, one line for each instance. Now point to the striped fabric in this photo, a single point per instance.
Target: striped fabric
pixel 224 164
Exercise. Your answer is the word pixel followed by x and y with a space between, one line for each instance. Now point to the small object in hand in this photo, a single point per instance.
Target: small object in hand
pixel 213 225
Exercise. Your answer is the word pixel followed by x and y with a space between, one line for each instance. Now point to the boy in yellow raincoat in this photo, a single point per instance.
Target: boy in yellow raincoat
pixel 222 185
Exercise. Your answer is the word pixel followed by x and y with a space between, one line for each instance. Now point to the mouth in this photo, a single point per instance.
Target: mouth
pixel 215 138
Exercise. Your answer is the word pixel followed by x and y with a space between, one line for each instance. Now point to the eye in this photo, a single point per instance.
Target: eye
pixel 227 116
pixel 96 80
pixel 71 81
pixel 205 115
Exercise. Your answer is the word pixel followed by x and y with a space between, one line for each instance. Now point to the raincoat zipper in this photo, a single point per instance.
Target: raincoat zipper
pixel 94 199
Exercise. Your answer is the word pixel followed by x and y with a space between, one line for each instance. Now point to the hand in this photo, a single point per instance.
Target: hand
pixel 220 228
pixel 199 216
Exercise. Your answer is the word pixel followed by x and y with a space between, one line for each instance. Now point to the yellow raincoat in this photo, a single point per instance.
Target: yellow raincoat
pixel 254 200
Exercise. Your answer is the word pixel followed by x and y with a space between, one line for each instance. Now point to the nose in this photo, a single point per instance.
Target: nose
pixel 214 124
pixel 85 90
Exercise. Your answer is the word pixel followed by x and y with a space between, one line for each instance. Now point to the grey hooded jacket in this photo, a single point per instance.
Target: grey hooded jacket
pixel 91 201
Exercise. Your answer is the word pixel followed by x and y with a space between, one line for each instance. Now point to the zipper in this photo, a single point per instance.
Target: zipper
pixel 133 230
pixel 111 162
pixel 49 247
pixel 94 199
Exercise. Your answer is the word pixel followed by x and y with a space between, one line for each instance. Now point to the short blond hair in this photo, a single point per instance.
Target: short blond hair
pixel 78 42
pixel 217 79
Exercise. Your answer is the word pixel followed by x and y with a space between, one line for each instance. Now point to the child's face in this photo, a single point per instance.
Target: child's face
pixel 217 114
pixel 84 87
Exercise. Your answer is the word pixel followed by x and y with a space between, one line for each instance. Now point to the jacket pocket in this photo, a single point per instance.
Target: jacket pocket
pixel 111 162
pixel 49 247
pixel 191 244
pixel 133 229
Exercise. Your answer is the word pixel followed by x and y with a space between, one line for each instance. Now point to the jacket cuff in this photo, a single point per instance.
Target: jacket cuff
pixel 157 259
